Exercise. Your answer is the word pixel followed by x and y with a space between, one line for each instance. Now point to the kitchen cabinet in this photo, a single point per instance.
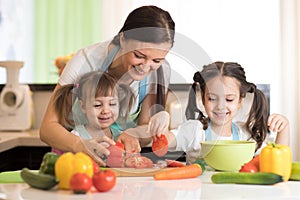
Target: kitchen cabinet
pixel 23 156
pixel 21 149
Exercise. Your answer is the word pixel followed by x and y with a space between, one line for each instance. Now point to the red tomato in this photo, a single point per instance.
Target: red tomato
pixel 255 161
pixel 115 161
pixel 115 151
pixel 95 166
pixel 174 163
pixel 104 180
pixel 116 156
pixel 160 146
pixel 248 167
pixel 80 183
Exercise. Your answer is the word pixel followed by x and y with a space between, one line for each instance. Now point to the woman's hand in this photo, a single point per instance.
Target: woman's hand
pixel 97 148
pixel 131 143
pixel 159 124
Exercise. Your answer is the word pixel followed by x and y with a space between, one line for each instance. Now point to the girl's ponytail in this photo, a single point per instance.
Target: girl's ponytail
pixel 63 105
pixel 192 107
pixel 258 116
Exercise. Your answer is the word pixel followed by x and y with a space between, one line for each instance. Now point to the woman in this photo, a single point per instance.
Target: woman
pixel 135 56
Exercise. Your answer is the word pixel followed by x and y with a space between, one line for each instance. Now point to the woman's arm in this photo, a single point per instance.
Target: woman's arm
pixel 54 134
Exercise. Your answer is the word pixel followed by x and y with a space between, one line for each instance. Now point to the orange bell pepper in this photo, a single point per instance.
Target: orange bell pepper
pixel 68 164
pixel 276 158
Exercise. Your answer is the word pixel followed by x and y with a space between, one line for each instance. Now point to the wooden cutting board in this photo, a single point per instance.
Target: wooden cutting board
pixel 133 172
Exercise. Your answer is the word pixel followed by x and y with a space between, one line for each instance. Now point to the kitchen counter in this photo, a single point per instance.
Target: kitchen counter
pixel 147 188
pixel 9 140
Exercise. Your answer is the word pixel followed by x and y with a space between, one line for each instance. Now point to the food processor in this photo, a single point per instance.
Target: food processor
pixel 16 106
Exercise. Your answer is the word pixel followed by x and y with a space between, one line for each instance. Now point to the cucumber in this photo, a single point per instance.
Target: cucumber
pixel 295 174
pixel 38 180
pixel 258 178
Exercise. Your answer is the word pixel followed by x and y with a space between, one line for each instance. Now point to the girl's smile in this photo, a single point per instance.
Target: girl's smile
pixel 222 101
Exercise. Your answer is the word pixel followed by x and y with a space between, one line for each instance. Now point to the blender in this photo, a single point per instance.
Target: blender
pixel 16 106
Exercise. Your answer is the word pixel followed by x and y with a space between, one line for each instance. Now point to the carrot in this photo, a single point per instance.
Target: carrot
pixel 189 171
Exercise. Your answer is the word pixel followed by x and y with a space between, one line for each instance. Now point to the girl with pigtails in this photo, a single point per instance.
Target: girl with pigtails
pixel 103 101
pixel 223 88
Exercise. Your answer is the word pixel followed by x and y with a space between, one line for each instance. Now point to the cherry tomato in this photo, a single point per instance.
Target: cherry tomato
pixel 174 163
pixel 104 180
pixel 95 166
pixel 160 146
pixel 80 183
pixel 248 167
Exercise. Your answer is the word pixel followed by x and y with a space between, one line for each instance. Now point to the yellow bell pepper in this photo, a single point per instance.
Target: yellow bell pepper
pixel 277 159
pixel 68 164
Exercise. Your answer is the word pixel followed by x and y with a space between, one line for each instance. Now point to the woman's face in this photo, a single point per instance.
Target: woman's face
pixel 102 112
pixel 222 100
pixel 140 59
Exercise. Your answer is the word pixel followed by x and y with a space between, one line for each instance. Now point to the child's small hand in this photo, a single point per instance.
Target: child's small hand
pixel 159 123
pixel 277 122
pixel 97 147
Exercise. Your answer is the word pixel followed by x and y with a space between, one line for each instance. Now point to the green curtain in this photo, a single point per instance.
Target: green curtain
pixel 62 27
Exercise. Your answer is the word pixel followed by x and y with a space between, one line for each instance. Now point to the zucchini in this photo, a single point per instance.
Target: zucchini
pixel 295 174
pixel 258 178
pixel 38 180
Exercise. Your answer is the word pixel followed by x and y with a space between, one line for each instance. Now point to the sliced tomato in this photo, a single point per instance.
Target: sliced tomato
pixel 116 156
pixel 160 146
pixel 137 161
pixel 174 163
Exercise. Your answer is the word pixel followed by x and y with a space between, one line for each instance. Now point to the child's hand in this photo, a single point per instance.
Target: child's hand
pixel 97 148
pixel 159 124
pixel 277 122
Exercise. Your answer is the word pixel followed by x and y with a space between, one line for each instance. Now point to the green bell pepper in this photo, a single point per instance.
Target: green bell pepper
pixel 48 162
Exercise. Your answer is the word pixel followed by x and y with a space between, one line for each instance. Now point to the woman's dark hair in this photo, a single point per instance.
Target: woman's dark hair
pixel 90 85
pixel 256 123
pixel 150 24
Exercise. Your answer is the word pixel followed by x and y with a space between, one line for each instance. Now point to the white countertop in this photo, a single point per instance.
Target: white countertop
pixel 148 188
pixel 9 140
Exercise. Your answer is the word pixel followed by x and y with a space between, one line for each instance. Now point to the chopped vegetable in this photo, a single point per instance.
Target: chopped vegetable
pixel 174 163
pixel 160 146
pixel 189 171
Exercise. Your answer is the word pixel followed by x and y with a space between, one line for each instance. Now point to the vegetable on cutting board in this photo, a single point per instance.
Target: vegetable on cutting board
pixel 189 171
pixel 277 159
pixel 258 178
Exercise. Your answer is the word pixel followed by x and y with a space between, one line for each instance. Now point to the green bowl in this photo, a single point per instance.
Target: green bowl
pixel 227 155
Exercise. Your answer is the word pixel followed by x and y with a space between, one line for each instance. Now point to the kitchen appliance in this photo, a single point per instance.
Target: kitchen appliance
pixel 16 106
